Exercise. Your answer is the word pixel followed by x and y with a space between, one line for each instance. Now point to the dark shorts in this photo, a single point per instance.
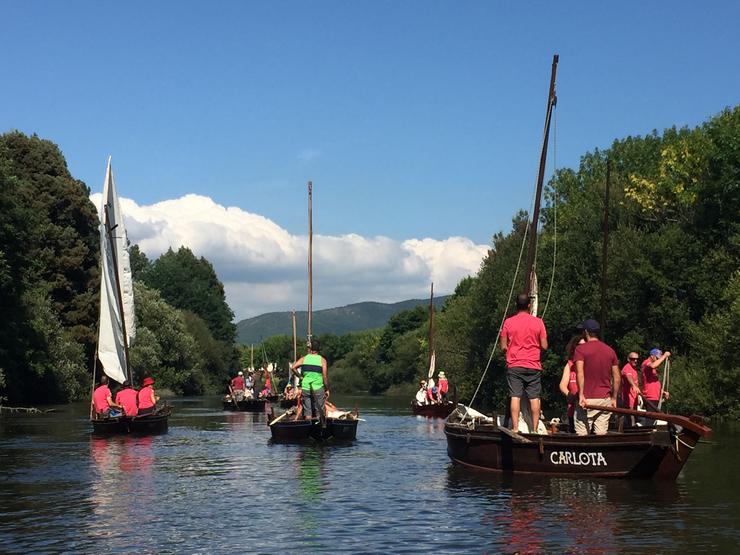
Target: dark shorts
pixel 524 380
pixel 310 409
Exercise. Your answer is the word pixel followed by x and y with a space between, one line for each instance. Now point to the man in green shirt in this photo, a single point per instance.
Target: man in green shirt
pixel 314 383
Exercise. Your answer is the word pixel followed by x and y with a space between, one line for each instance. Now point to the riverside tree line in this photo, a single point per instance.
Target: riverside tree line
pixel 673 275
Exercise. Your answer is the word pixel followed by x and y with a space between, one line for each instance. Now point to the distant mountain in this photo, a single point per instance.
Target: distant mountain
pixel 353 317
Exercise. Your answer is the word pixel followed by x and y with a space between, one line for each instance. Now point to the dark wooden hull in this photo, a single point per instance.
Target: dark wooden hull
pixel 441 410
pixel 148 424
pixel 302 431
pixel 639 453
pixel 246 405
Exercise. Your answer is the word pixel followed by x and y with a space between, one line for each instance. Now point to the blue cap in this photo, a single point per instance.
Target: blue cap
pixel 656 352
pixel 590 325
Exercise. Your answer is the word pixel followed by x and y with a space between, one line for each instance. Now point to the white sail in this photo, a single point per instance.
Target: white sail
pixel 114 252
pixel 431 366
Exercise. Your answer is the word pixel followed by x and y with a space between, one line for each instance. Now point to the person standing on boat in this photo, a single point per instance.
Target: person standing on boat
pixel 597 373
pixel 569 382
pixel 650 379
pixel 147 398
pixel 630 385
pixel 315 382
pixel 237 385
pixel 103 400
pixel 127 398
pixel 523 338
pixel 421 395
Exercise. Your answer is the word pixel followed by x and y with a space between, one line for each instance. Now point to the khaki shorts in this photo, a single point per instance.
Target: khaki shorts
pixel 596 419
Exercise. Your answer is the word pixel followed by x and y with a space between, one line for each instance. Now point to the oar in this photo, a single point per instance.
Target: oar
pixel 279 418
pixel 673 418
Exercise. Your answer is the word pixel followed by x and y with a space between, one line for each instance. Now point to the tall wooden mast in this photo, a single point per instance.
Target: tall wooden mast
pixel 295 341
pixel 431 324
pixel 310 261
pixel 530 277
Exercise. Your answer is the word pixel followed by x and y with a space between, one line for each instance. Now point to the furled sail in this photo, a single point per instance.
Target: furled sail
pixel 431 365
pixel 115 280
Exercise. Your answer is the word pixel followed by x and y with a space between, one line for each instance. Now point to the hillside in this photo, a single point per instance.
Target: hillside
pixel 344 319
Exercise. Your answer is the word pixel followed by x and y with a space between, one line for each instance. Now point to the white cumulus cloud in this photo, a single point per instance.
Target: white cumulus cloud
pixel 263 267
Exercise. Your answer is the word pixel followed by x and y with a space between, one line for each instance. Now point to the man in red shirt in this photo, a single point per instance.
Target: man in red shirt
pixel 127 398
pixel 630 385
pixel 523 337
pixel 597 373
pixel 102 400
pixel 650 379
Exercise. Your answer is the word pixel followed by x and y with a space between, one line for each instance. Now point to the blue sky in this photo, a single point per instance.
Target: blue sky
pixel 414 119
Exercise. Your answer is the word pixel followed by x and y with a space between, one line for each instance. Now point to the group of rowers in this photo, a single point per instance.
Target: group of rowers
pixel 242 387
pixel 591 377
pixel 430 393
pixel 128 401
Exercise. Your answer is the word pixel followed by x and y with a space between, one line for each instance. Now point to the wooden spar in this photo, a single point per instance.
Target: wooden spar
pixel 532 249
pixel 431 325
pixel 295 341
pixel 310 261
pixel 119 296
pixel 604 252
pixel 682 421
pixel 251 358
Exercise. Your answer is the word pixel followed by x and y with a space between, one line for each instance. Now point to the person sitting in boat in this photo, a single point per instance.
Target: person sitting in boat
pixel 597 373
pixel 569 383
pixel 127 398
pixel 523 338
pixel 102 400
pixel 249 386
pixel 651 381
pixel 267 388
pixel 147 398
pixel 421 395
pixel 289 392
pixel 315 382
pixel 443 387
pixel 237 385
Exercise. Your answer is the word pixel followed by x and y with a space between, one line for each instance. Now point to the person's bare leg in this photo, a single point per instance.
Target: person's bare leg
pixel 515 413
pixel 535 406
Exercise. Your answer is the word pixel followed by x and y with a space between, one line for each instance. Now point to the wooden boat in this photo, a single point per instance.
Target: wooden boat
pixel 480 442
pixel 245 405
pixel 116 324
pixel 657 453
pixel 440 410
pixel 286 430
pixel 148 424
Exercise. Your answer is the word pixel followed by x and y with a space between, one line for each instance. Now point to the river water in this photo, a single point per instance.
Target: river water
pixel 216 484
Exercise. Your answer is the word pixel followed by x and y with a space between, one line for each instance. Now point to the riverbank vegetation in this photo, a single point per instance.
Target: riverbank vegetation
pixel 673 282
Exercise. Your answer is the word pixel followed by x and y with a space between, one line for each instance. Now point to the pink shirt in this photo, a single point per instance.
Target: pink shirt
pixel 572 386
pixel 127 399
pixel 650 381
pixel 629 396
pixel 100 398
pixel 145 397
pixel 598 359
pixel 523 333
pixel 237 383
pixel 443 385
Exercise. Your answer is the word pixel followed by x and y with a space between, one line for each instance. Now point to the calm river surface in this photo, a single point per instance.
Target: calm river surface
pixel 216 484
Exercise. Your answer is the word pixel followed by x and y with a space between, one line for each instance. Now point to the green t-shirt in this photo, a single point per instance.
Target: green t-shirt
pixel 312 373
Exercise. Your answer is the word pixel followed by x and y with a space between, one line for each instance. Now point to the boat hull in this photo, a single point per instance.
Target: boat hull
pixel 441 410
pixel 148 424
pixel 246 405
pixel 302 431
pixel 655 454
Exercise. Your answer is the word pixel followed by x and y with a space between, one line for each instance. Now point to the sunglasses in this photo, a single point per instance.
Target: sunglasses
pixel 632 358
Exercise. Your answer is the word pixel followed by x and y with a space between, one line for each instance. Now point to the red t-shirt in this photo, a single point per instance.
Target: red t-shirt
pixel 443 385
pixel 572 386
pixel 100 398
pixel 127 399
pixel 523 332
pixel 598 359
pixel 650 381
pixel 237 383
pixel 145 397
pixel 628 395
